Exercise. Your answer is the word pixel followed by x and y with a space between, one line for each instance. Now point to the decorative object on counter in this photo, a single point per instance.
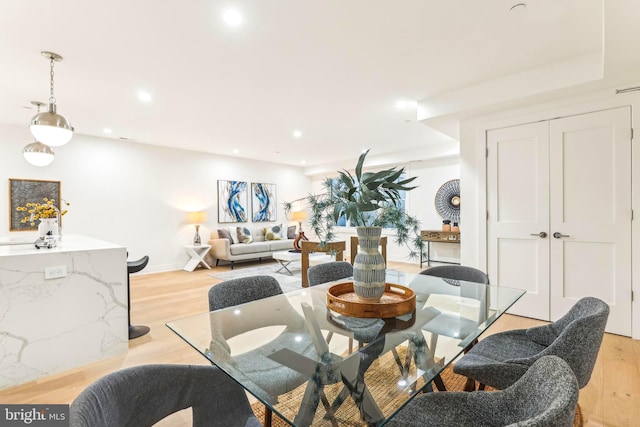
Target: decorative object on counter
pixel 23 191
pixel 263 202
pixel 232 201
pixel 365 199
pixel 49 127
pixel 48 233
pixel 49 216
pixel 447 201
pixel 446 225
pixel 197 218
pixel 37 153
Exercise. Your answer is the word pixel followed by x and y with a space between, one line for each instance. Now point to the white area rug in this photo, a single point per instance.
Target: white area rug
pixel 287 282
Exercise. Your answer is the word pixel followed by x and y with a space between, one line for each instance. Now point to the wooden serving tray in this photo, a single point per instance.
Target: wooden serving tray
pixel 396 301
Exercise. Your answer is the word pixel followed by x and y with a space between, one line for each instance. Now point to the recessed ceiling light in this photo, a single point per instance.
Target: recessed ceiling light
pixel 144 96
pixel 232 17
pixel 303 162
pixel 107 130
pixel 297 134
pixel 236 151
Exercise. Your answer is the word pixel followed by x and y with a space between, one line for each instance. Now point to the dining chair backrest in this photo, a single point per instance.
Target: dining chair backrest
pixel 575 337
pixel 457 272
pixel 545 395
pixel 143 395
pixel 329 272
pixel 242 290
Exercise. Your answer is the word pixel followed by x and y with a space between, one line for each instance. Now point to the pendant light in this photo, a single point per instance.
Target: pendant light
pixel 49 127
pixel 37 153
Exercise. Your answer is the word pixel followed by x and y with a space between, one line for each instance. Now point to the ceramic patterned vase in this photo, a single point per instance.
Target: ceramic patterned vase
pixel 369 278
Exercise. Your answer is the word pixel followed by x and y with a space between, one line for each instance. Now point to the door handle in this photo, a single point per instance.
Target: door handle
pixel 558 235
pixel 541 234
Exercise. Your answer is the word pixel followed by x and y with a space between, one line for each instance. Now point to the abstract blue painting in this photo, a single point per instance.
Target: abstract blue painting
pixel 232 201
pixel 263 202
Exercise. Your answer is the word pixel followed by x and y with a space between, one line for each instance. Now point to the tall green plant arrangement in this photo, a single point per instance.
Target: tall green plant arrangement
pixel 364 199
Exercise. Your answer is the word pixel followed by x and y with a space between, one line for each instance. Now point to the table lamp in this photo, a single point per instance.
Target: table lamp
pixel 196 218
pixel 299 216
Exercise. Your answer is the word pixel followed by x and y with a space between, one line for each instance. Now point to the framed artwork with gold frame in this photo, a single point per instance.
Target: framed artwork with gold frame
pixel 23 191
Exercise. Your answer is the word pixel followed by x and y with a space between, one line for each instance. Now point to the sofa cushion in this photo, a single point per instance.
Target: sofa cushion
pixel 273 233
pixel 244 235
pixel 223 233
pixel 233 232
pixel 291 232
pixel 280 245
pixel 258 234
pixel 251 248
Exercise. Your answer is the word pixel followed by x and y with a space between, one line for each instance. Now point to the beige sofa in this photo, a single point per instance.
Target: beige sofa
pixel 259 247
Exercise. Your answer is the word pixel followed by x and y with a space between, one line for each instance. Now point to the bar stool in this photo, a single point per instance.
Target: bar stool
pixel 134 267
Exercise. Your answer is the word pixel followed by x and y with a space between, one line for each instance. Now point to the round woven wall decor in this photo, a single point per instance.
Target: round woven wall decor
pixel 448 200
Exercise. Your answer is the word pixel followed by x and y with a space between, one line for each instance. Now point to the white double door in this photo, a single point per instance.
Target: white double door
pixel 559 213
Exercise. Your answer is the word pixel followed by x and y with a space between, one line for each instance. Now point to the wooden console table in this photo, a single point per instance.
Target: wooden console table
pixel 437 236
pixel 354 248
pixel 307 246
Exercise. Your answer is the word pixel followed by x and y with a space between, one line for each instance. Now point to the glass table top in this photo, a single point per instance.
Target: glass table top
pixel 294 355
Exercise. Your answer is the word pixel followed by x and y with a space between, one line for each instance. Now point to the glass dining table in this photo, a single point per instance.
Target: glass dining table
pixel 295 355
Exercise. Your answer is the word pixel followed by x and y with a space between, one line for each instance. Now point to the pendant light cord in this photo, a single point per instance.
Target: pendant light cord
pixel 52 98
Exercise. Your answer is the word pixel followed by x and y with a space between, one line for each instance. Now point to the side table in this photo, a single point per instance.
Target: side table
pixel 197 254
pixel 436 236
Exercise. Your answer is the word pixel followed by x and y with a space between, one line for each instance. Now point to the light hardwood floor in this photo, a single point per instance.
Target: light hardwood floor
pixel 612 397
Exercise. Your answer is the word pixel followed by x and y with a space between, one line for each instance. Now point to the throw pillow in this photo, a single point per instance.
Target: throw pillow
pixel 291 232
pixel 273 233
pixel 233 232
pixel 244 235
pixel 224 234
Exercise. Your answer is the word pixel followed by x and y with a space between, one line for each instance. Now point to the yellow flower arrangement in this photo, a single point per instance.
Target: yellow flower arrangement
pixel 47 209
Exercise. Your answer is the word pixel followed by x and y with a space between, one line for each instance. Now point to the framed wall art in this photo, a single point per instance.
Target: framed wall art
pixel 232 201
pixel 263 202
pixel 23 191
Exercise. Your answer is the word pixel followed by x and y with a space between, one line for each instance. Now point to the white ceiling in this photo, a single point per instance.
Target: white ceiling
pixel 333 68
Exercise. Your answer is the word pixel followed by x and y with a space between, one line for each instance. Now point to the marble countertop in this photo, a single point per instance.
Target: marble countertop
pixel 24 245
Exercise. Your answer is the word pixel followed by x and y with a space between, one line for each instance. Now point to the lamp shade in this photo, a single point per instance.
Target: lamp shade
pixel 38 154
pixel 51 128
pixel 298 216
pixel 196 217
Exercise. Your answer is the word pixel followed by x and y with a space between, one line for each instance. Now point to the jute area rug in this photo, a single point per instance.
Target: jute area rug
pixel 348 414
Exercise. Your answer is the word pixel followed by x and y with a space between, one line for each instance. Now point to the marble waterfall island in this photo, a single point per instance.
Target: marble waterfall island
pixel 60 308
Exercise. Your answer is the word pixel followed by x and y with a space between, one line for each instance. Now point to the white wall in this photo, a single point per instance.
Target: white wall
pixel 430 175
pixel 473 171
pixel 136 195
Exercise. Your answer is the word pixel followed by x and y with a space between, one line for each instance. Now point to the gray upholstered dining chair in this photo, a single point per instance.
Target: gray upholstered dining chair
pixel 457 272
pixel 242 290
pixel 364 330
pixel 141 396
pixel 449 325
pixel 545 395
pixel 500 359
pixel 328 272
pixel 271 377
